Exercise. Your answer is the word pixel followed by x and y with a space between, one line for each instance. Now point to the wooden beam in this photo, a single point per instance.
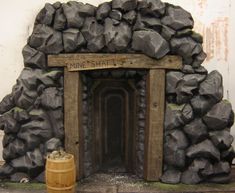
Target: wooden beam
pixel 79 62
pixel 155 124
pixel 72 117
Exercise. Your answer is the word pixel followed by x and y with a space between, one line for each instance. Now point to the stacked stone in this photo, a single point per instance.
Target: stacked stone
pixel 32 116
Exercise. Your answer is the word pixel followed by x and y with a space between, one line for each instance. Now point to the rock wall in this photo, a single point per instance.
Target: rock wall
pixel 197 139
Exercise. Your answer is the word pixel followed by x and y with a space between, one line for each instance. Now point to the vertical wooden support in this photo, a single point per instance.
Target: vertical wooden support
pixel 154 129
pixel 72 117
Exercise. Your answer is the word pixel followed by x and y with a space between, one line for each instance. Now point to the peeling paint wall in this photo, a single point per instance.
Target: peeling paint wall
pixel 215 19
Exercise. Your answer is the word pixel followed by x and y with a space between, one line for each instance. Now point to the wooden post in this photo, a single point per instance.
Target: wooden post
pixel 72 117
pixel 154 129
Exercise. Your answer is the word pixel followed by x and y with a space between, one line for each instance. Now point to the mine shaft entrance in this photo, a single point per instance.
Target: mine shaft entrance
pixel 114 112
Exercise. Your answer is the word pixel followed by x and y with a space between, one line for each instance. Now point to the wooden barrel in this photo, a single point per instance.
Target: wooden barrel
pixel 60 175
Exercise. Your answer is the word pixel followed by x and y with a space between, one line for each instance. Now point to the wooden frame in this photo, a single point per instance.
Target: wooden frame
pixel 73 63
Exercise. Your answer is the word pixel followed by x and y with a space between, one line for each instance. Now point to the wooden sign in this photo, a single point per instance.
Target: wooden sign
pixel 80 62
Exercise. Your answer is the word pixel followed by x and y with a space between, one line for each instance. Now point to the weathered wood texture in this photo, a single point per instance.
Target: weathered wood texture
pixel 79 62
pixel 72 117
pixel 154 128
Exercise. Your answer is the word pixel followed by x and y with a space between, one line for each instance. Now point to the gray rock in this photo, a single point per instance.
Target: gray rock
pixel 155 46
pixel 115 14
pixel 201 104
pixel 219 116
pixel 222 168
pixel 71 12
pixel 177 18
pixel 51 98
pixel 196 131
pixel 6 104
pixel 185 90
pixel 197 37
pixel 130 17
pixel 33 58
pixel 6 170
pixel 46 39
pixel 228 155
pixel 171 176
pixel 204 149
pixel 87 10
pixel 32 163
pixel 53 144
pixel 190 177
pixel 14 149
pixel 151 7
pixel 144 22
pixel 8 138
pixel 187 113
pixel 173 118
pixel 20 115
pixel 199 59
pixel 201 70
pixel 199 164
pixel 220 179
pixel 118 37
pixel 46 15
pixel 41 178
pixel 183 33
pixel 172 79
pixel 124 5
pixel 103 11
pixel 167 32
pixel 176 139
pixel 60 20
pixel 174 157
pixel 9 124
pixel 188 69
pixel 72 39
pixel 93 33
pixel 57 5
pixel 221 139
pixel 212 87
pixel 18 176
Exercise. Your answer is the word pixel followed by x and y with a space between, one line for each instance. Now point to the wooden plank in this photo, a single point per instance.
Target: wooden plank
pixel 72 118
pixel 155 122
pixel 79 62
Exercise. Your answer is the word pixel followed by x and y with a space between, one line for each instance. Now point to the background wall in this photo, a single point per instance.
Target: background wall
pixel 215 19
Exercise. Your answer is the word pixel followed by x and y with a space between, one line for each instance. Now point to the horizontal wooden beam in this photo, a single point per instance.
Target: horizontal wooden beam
pixel 79 62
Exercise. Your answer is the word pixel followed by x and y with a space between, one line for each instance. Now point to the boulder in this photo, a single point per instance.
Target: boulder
pixel 93 33
pixel 33 58
pixel 6 170
pixel 53 144
pixel 60 20
pixel 115 14
pixel 118 37
pixel 188 69
pixel 46 39
pixel 87 10
pixel 130 17
pixel 155 46
pixel 152 7
pixel 46 15
pixel 174 157
pixel 173 118
pixel 20 115
pixel 32 163
pixel 196 131
pixel 51 98
pixel 172 79
pixel 124 5
pixel 190 177
pixel 176 139
pixel 167 33
pixel 7 103
pixel 145 22
pixel 204 149
pixel 9 124
pixel 201 104
pixel 171 176
pixel 72 39
pixel 221 139
pixel 187 113
pixel 201 70
pixel 218 117
pixel 14 149
pixel 103 11
pixel 199 59
pixel 177 18
pixel 228 155
pixel 212 87
pixel 71 12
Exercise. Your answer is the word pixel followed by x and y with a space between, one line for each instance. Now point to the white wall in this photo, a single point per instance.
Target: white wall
pixel 215 19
